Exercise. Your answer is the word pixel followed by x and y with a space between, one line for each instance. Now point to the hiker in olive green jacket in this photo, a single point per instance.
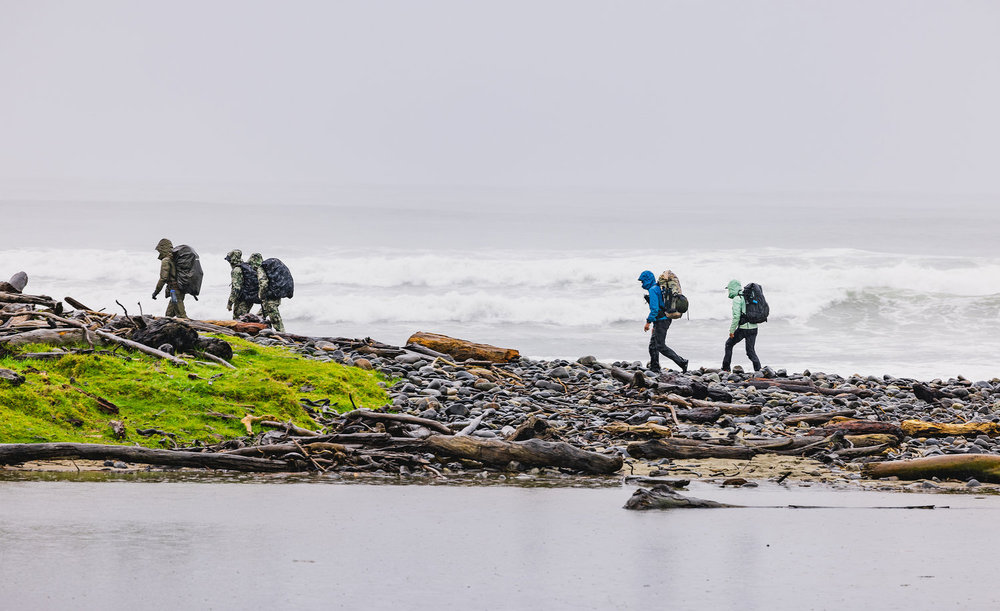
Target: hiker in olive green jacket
pixel 737 332
pixel 168 278
pixel 236 304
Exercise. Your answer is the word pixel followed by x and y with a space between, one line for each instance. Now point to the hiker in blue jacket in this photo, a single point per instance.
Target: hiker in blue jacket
pixel 661 322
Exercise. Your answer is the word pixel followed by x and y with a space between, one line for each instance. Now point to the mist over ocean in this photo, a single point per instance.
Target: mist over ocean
pixel 902 286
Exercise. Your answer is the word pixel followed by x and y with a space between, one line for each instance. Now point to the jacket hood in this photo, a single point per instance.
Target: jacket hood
pixel 734 287
pixel 164 247
pixel 255 260
pixel 235 257
pixel 647 279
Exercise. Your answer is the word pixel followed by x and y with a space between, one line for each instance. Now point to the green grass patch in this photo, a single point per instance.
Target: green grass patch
pixel 185 401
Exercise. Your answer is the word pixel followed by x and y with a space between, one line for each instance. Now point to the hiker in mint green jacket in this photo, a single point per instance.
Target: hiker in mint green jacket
pixel 737 332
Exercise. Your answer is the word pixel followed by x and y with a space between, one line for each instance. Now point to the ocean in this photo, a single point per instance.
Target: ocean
pixel 865 284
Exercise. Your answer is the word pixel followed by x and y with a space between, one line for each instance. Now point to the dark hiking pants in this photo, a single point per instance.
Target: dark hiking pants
pixel 658 345
pixel 750 335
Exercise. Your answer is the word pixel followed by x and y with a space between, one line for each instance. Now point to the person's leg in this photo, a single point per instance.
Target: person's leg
pixel 656 340
pixel 240 308
pixel 660 328
pixel 751 337
pixel 730 342
pixel 181 312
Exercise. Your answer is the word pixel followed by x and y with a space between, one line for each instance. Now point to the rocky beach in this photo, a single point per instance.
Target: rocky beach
pixel 455 410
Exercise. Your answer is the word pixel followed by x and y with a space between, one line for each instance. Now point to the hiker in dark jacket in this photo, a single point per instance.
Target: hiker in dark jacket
pixel 739 332
pixel 236 302
pixel 661 322
pixel 168 279
pixel 268 305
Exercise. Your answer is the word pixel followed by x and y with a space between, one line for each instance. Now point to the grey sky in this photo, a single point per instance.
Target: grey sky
pixel 717 95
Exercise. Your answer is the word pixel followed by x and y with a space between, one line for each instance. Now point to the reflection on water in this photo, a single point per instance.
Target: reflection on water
pixel 155 541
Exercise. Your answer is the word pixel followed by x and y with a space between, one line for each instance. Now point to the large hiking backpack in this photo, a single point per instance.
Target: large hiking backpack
pixel 757 309
pixel 250 288
pixel 279 280
pixel 188 267
pixel 674 302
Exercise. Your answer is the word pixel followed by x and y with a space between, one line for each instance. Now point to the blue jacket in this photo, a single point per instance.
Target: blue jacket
pixel 648 281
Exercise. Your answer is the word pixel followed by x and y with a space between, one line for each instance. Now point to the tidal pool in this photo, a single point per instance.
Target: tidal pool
pixel 248 543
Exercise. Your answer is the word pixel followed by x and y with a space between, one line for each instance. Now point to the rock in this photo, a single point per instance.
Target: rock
pixel 484 385
pixel 561 373
pixel 11 378
pixel 326 346
pixel 589 361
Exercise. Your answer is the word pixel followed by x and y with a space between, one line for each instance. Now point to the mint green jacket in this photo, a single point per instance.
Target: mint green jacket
pixel 739 307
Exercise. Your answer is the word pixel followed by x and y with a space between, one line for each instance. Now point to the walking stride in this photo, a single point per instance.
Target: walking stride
pixel 743 326
pixel 660 317
pixel 168 279
pixel 239 282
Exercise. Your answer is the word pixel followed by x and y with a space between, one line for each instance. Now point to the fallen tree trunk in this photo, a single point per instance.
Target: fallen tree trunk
pixel 42 300
pixel 13 453
pixel 648 429
pixel 687 448
pixel 461 349
pixel 983 467
pixel 859 427
pixel 802 387
pixel 735 409
pixel 141 348
pixel 368 414
pixel 49 337
pixel 234 326
pixel 820 418
pixel 533 452
pixel 921 428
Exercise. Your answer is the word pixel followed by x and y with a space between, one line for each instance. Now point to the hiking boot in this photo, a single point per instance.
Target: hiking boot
pixel 684 366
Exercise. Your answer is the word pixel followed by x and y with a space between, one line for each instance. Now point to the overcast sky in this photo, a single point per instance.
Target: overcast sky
pixel 707 95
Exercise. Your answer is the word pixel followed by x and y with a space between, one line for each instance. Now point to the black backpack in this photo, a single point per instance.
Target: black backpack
pixel 250 289
pixel 757 309
pixel 188 267
pixel 279 280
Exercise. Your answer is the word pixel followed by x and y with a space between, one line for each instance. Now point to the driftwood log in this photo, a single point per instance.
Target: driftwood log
pixel 368 414
pixel 533 452
pixel 859 427
pixel 920 428
pixel 144 349
pixel 983 467
pixel 42 300
pixel 687 448
pixel 461 349
pixel 805 387
pixel 13 453
pixel 49 337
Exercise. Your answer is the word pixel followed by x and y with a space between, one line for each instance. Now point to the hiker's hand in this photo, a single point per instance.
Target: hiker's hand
pixel 732 335
pixel 646 328
pixel 155 293
pixel 229 307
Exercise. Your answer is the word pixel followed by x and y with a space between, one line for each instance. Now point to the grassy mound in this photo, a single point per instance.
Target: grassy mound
pixel 56 402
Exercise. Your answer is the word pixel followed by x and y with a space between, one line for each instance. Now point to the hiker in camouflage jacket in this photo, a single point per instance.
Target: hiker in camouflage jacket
pixel 237 305
pixel 268 307
pixel 168 278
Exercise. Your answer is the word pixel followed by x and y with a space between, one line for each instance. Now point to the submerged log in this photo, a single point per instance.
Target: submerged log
pixel 462 349
pixel 687 448
pixel 13 453
pixel 533 452
pixel 983 467
pixel 663 497
pixel 921 428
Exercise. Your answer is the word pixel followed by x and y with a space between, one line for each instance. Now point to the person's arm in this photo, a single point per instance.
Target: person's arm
pixel 165 266
pixel 262 283
pixel 737 311
pixel 236 281
pixel 655 301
